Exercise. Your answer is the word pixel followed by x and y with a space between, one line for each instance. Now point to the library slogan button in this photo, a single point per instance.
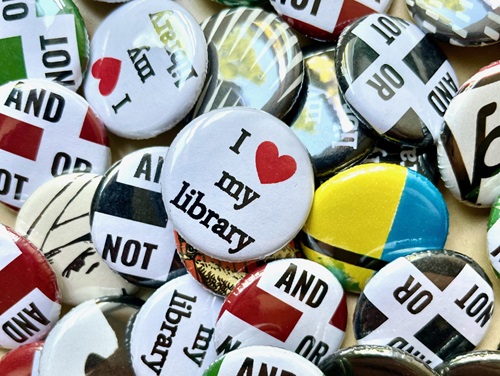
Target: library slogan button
pixel 295 304
pixel 43 39
pixel 91 339
pixel 334 137
pixel 55 218
pixel 30 301
pixel 469 151
pixel 174 331
pixel 46 130
pixel 369 215
pixel 434 305
pixel 130 228
pixel 255 61
pixel 220 277
pixel 475 23
pixel 148 66
pixel 262 360
pixel 238 184
pixel 493 237
pixel 395 78
pixel 325 19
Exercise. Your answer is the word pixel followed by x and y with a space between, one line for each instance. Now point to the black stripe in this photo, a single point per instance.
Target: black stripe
pixel 343 255
pixel 434 58
pixel 132 203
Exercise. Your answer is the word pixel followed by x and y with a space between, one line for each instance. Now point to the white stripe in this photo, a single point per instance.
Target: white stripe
pixel 493 34
pixel 235 17
pixel 263 27
pixel 429 27
pixel 214 22
pixel 243 31
pixel 292 87
pixel 494 17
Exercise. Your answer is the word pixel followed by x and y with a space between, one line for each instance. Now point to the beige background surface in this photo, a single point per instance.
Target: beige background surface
pixel 467 225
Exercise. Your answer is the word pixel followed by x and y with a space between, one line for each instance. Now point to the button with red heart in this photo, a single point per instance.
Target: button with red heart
pixel 237 184
pixel 149 62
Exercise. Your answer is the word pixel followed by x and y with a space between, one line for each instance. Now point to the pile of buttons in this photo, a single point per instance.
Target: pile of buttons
pixel 275 202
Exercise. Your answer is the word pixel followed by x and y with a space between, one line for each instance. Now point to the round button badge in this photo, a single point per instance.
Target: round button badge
pixel 368 215
pixel 238 184
pixel 22 361
pixel 493 237
pixel 149 62
pixel 43 39
pixel 30 300
pixel 395 78
pixel 295 304
pixel 130 228
pixel 46 130
pixel 487 362
pixel 55 218
pixel 434 304
pixel 468 151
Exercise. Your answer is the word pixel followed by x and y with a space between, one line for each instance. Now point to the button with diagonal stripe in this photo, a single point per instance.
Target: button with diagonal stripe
pixel 368 215
pixel 395 78
pixel 434 305
pixel 130 228
pixel 46 130
pixel 468 150
pixel 43 39
pixel 255 61
pixel 295 304
pixel 30 300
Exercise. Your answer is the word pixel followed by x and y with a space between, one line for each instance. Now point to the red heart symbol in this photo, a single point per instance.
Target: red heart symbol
pixel 107 70
pixel 271 167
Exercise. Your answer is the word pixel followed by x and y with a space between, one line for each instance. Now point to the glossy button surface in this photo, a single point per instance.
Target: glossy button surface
pixel 326 126
pixel 256 62
pixel 149 62
pixel 220 277
pixel 91 339
pixel 30 300
pixel 469 151
pixel 130 228
pixel 434 304
pixel 237 184
pixel 325 19
pixel 368 215
pixel 493 237
pixel 173 332
pixel 292 304
pixel 471 23
pixel 395 78
pixel 43 39
pixel 262 359
pixel 22 361
pixel 55 218
pixel 46 130
pixel 485 363
pixel 373 360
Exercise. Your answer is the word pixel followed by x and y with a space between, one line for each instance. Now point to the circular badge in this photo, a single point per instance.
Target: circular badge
pixel 295 304
pixel 468 151
pixel 22 361
pixel 256 61
pixel 486 362
pixel 493 237
pixel 46 130
pixel 220 277
pixel 149 62
pixel 369 215
pixel 476 23
pixel 260 360
pixel 30 301
pixel 238 184
pixel 395 78
pixel 130 228
pixel 374 360
pixel 43 39
pixel 173 332
pixel 421 160
pixel 326 126
pixel 434 305
pixel 55 218
pixel 91 339
pixel 325 19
